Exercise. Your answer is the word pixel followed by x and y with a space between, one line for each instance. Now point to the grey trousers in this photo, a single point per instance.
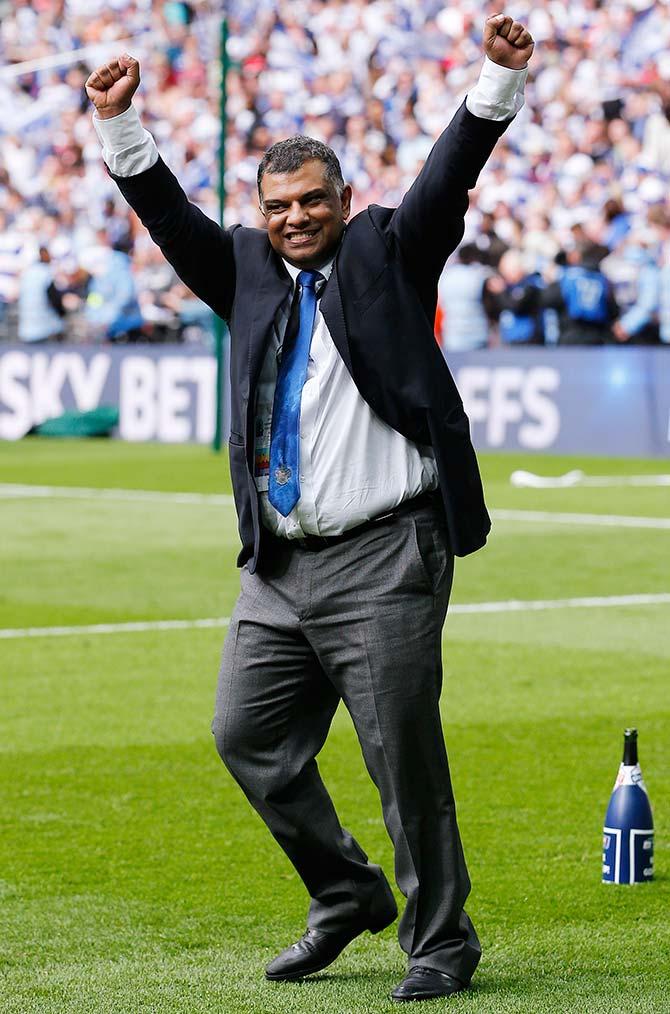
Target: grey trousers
pixel 359 621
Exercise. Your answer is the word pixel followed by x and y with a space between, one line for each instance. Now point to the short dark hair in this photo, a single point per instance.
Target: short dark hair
pixel 468 253
pixel 290 155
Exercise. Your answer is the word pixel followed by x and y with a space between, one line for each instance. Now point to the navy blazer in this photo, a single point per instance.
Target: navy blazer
pixel 379 305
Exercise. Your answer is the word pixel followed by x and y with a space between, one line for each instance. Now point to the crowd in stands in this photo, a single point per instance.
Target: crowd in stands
pixel 568 235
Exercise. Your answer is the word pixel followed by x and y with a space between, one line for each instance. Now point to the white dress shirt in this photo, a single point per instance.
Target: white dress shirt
pixel 353 466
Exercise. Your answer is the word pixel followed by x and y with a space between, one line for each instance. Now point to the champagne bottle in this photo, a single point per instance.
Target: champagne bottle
pixel 628 834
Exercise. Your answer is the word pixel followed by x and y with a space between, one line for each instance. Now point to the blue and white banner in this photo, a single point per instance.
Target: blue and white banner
pixel 164 393
pixel 612 401
pixel 606 400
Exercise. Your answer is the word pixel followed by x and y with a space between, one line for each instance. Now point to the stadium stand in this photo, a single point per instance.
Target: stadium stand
pixel 586 165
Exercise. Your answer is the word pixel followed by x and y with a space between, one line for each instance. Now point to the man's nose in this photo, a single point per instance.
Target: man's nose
pixel 297 215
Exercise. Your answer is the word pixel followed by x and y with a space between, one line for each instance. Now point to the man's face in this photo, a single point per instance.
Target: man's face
pixel 304 213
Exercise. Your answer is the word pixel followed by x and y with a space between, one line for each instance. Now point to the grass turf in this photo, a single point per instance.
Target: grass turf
pixel 135 878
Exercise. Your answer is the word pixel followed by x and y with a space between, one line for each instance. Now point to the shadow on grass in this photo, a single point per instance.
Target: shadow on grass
pixel 503 985
pixel 383 979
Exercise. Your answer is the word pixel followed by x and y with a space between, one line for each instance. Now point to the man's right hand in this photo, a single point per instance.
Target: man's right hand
pixel 111 87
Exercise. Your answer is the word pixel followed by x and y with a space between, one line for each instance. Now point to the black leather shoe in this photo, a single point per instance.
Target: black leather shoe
pixel 317 949
pixel 425 984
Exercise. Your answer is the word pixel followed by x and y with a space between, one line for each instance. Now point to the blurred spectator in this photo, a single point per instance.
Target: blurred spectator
pixel 587 160
pixel 513 299
pixel 617 221
pixel 656 143
pixel 664 300
pixel 489 244
pixel 584 299
pixel 464 325
pixel 112 306
pixel 637 274
pixel 41 308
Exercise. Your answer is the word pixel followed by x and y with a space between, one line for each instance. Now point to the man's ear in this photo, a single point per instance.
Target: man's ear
pixel 345 198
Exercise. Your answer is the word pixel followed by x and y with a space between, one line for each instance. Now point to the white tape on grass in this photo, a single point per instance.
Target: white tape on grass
pixel 576 477
pixel 458 608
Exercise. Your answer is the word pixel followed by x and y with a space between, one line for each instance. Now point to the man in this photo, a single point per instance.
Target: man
pixel 583 298
pixel 41 308
pixel 355 483
pixel 636 276
pixel 664 293
pixel 464 325
pixel 512 297
pixel 112 307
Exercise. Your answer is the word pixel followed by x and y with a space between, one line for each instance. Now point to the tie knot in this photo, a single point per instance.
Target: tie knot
pixel 309 279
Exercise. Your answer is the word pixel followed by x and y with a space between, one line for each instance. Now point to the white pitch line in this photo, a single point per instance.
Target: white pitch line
pixel 564 518
pixel 139 627
pixel 588 602
pixel 9 491
pixel 458 608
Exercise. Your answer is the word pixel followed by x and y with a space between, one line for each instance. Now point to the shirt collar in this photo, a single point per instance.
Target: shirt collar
pixel 324 270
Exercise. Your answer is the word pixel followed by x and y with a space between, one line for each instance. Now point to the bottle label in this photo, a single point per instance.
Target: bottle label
pixel 628 855
pixel 630 774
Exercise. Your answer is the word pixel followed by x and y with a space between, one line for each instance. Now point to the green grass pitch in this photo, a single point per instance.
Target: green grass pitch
pixel 133 875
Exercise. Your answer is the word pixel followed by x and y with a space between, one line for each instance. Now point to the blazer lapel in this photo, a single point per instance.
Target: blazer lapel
pixel 273 288
pixel 333 313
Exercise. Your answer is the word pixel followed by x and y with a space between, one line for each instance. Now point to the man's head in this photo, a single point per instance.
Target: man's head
pixel 468 253
pixel 512 267
pixel 303 199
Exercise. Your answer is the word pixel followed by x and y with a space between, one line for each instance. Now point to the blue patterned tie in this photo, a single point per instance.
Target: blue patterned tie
pixel 284 482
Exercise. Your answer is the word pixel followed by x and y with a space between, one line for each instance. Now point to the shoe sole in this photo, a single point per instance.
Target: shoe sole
pixel 300 975
pixel 424 996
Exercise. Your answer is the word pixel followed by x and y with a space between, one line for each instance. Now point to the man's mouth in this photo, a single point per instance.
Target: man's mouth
pixel 301 238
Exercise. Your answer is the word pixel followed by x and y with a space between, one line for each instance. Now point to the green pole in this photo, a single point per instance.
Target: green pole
pixel 219 325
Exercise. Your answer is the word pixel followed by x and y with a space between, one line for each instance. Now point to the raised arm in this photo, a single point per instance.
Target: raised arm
pixel 198 249
pixel 429 225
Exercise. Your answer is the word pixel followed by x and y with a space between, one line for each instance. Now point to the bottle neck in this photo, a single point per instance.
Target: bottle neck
pixel 630 747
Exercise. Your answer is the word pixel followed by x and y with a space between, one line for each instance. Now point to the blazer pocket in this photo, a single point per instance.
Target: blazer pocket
pixel 373 291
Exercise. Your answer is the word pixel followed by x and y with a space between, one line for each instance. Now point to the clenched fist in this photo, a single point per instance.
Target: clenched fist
pixel 111 87
pixel 507 42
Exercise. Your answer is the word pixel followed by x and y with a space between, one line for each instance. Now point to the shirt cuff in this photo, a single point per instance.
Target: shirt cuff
pixel 127 148
pixel 498 95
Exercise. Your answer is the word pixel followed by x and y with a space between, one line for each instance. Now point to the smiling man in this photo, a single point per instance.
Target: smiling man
pixel 356 485
pixel 304 200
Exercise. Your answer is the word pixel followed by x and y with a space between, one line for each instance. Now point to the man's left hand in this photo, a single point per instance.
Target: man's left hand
pixel 507 42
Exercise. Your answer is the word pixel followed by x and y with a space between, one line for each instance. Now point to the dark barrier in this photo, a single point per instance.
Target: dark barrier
pixel 592 401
